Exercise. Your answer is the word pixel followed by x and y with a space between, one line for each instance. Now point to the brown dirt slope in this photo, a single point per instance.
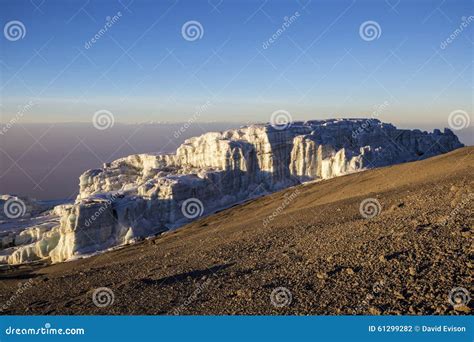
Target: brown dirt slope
pixel 317 245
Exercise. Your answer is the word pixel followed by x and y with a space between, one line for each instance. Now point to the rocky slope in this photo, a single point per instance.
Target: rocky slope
pixel 146 194
pixel 310 249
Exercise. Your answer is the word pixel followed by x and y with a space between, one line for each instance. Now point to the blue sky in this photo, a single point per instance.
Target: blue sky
pixel 142 69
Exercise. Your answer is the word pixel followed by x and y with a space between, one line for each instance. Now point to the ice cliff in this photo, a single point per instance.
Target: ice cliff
pixel 145 194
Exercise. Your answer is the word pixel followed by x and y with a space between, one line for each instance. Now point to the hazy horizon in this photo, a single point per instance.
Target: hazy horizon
pixel 78 66
pixel 249 60
pixel 45 161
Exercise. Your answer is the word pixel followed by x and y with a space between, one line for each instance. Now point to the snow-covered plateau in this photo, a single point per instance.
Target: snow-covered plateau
pixel 146 194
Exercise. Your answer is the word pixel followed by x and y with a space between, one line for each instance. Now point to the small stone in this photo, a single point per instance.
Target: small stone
pixel 412 271
pixel 244 293
pixel 398 295
pixel 462 308
pixel 349 271
pixel 374 311
pixel 382 258
pixel 321 275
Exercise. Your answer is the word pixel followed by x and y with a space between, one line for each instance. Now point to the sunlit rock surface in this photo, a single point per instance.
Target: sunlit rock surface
pixel 145 194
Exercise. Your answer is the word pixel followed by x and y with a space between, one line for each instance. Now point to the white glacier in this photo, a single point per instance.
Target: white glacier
pixel 141 195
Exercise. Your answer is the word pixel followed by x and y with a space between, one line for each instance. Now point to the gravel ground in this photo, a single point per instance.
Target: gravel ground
pixel 305 250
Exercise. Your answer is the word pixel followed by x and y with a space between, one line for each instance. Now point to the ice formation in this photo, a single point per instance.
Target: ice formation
pixel 145 194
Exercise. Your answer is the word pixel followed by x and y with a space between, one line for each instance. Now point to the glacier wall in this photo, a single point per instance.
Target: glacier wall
pixel 141 195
